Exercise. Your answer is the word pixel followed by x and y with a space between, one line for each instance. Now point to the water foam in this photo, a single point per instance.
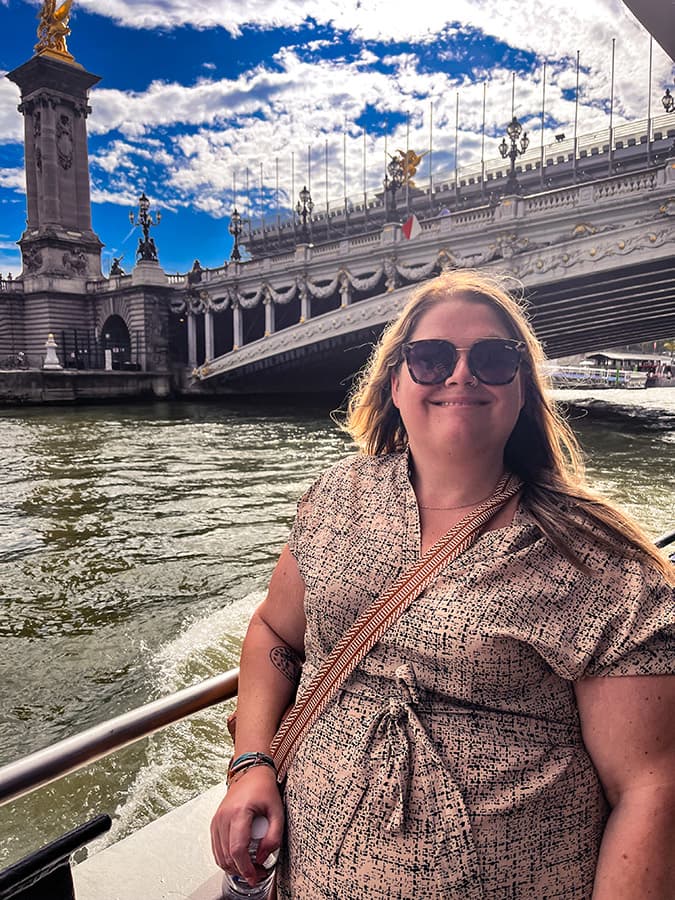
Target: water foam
pixel 190 756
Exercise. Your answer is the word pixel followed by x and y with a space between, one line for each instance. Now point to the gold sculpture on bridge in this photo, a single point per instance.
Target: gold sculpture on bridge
pixel 53 29
pixel 409 161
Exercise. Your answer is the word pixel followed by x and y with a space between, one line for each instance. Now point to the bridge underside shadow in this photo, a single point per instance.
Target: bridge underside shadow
pixel 623 306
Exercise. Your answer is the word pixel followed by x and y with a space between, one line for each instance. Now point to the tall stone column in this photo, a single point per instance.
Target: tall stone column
pixel 192 340
pixel 237 326
pixel 208 336
pixel 269 316
pixel 58 240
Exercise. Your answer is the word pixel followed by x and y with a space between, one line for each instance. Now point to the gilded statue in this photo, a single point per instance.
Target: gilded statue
pixel 409 163
pixel 53 29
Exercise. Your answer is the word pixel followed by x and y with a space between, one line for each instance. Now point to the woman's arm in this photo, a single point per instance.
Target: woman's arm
pixel 269 672
pixel 628 726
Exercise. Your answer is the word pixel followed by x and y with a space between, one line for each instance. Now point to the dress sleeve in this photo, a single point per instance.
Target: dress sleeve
pixel 302 525
pixel 637 633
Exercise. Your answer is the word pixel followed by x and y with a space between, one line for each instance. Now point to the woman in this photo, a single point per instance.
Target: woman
pixel 513 734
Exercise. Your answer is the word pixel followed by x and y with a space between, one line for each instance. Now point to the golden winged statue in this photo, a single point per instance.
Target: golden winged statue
pixel 410 161
pixel 53 29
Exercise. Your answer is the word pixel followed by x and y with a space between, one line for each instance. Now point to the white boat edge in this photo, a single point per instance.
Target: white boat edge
pixel 166 860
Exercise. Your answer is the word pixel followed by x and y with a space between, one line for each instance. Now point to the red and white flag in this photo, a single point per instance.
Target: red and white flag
pixel 411 228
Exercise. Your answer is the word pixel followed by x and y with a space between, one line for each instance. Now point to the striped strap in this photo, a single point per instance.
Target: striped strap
pixel 369 627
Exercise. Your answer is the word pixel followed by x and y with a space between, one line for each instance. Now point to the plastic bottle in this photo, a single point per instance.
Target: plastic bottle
pixel 234 886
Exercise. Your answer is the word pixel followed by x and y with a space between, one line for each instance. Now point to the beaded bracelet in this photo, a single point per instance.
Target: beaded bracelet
pixel 248 761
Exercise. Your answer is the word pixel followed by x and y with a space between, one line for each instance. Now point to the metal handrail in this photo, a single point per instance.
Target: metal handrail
pixel 44 766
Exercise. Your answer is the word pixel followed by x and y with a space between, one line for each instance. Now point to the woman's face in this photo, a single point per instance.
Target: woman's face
pixel 459 417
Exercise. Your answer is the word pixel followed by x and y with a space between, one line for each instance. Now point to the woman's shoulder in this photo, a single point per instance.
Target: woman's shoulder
pixel 361 472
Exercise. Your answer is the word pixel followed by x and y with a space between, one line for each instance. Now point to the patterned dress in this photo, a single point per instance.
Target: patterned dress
pixel 451 764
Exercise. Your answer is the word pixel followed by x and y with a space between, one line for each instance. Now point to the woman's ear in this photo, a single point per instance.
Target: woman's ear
pixel 394 382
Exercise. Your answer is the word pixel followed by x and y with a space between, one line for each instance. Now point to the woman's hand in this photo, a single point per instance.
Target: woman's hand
pixel 253 793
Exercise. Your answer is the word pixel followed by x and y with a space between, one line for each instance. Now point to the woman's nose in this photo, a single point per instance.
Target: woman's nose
pixel 461 374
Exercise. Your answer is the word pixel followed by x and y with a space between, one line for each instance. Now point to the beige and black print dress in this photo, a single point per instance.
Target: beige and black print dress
pixel 451 765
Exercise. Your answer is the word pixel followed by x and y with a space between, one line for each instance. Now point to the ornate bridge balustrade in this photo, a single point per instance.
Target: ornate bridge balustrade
pixel 258 315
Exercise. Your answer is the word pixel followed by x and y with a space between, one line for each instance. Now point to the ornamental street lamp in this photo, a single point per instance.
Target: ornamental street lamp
pixel 668 101
pixel 304 209
pixel 146 249
pixel 235 230
pixel 393 180
pixel 513 150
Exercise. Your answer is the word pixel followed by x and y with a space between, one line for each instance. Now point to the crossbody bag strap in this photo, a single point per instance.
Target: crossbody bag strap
pixel 369 627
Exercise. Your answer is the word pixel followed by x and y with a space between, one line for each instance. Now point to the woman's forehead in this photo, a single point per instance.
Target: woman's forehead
pixel 461 315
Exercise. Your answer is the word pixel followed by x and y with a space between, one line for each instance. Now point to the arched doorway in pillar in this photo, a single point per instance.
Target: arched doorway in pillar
pixel 116 339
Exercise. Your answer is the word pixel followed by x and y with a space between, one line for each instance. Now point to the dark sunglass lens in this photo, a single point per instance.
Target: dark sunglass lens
pixel 431 362
pixel 495 362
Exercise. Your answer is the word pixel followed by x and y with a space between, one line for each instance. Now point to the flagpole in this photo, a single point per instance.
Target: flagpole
pixel 309 169
pixel 293 188
pixel 611 110
pixel 649 104
pixel 262 207
pixel 543 116
pixel 431 153
pixel 482 145
pixel 248 202
pixel 576 118
pixel 406 171
pixel 326 185
pixel 276 166
pixel 344 170
pixel 365 193
pixel 456 149
pixel 513 94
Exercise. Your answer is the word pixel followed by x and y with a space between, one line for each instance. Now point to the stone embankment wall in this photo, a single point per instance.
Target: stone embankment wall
pixel 18 388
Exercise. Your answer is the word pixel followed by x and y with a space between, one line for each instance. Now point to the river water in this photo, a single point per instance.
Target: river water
pixel 135 542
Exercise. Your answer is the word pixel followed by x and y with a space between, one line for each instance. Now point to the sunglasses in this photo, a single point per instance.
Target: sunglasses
pixel 491 360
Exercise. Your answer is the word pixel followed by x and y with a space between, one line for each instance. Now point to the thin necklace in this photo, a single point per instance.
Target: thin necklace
pixel 462 506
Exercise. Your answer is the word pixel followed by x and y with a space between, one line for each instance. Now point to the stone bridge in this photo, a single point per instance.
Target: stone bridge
pixel 596 262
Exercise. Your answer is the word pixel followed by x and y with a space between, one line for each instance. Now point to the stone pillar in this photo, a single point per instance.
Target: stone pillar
pixel 269 316
pixel 58 240
pixel 192 340
pixel 208 336
pixel 305 306
pixel 237 326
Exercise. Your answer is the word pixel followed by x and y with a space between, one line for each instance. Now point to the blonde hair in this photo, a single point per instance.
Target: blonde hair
pixel 542 448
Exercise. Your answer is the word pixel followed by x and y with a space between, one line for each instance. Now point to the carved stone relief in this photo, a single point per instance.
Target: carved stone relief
pixel 75 261
pixel 64 141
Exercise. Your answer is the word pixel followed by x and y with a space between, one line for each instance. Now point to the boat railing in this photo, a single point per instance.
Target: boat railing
pixel 48 765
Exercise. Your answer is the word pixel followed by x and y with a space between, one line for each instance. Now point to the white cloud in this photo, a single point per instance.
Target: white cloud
pixel 14 179
pixel 11 123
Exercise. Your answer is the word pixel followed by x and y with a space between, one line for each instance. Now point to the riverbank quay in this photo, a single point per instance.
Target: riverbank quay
pixel 33 387
pixel 633 411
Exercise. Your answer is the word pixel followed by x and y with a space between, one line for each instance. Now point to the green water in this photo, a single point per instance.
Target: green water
pixel 135 542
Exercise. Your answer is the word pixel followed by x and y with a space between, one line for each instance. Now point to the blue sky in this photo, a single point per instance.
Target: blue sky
pixel 195 96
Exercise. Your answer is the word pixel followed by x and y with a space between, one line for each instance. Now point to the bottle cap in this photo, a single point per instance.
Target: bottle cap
pixel 259 827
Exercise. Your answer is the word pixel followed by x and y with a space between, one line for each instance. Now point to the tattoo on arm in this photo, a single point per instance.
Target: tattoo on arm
pixel 287 662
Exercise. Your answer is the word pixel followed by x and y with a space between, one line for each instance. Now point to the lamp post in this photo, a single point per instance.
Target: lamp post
pixel 235 230
pixel 393 180
pixel 146 249
pixel 304 209
pixel 668 101
pixel 516 147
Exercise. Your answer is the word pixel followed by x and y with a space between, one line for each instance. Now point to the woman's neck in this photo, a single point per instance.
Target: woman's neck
pixel 450 483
